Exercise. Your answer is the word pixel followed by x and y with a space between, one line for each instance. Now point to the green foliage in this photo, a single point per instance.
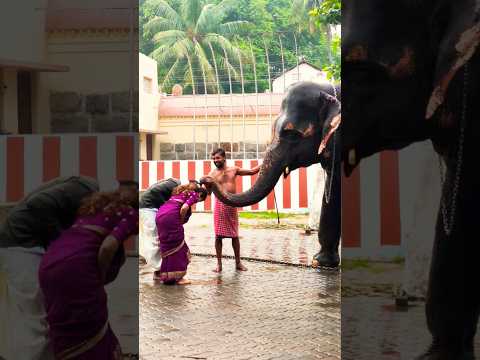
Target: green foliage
pixel 262 215
pixel 328 12
pixel 177 34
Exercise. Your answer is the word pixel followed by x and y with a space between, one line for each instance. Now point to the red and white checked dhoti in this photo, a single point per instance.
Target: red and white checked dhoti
pixel 225 220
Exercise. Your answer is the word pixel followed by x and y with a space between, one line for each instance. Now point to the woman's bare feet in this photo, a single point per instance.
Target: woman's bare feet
pixel 183 282
pixel 218 269
pixel 241 267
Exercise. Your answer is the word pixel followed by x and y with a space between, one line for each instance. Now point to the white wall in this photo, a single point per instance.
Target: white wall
pixel 304 72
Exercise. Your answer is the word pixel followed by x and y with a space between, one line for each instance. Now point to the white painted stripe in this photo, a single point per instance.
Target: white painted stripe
pixel 262 206
pixel 107 162
pixel 152 172
pixel 3 169
pixel 168 169
pixel 279 194
pixel 294 190
pixel 370 202
pixel 198 174
pixel 184 172
pixel 246 181
pixel 32 163
pixel 69 155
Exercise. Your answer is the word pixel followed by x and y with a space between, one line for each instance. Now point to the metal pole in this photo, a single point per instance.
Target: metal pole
pixel 130 92
pixel 227 63
pixel 206 109
pixel 296 54
pixel 283 62
pixel 256 89
pixel 269 79
pixel 218 87
pixel 243 100
pixel 194 110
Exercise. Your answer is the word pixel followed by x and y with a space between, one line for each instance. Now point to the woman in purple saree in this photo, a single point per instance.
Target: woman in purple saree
pixel 171 236
pixel 75 269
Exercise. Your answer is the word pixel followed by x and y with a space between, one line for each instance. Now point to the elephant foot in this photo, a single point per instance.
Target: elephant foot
pixel 329 259
pixel 437 352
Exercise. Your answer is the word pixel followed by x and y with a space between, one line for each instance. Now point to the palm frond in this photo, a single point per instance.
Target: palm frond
pixel 208 20
pixel 158 24
pixel 169 37
pixel 164 10
pixel 234 27
pixel 191 10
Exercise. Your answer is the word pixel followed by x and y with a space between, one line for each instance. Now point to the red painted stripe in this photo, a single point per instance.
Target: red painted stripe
pixel 125 160
pixel 390 231
pixel 207 166
pixel 88 156
pixel 287 192
pixel 145 165
pixel 238 179
pixel 160 170
pixel 351 227
pixel 270 201
pixel 303 188
pixel 15 168
pixel 254 163
pixel 176 169
pixel 51 158
pixel 191 175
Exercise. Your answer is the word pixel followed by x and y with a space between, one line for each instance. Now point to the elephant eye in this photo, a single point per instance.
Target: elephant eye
pixel 291 134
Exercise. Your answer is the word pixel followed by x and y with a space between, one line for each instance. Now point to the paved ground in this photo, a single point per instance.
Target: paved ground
pixel 268 312
pixel 259 239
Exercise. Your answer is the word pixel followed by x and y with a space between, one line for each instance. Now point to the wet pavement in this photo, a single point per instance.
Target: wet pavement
pixel 259 239
pixel 270 311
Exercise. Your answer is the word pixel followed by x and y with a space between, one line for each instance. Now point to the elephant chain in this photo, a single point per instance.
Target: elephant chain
pixel 329 192
pixel 448 221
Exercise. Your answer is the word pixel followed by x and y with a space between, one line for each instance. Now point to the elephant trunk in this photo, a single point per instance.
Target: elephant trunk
pixel 270 171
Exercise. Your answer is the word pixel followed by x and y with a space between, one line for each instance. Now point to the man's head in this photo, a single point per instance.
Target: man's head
pixel 128 186
pixel 218 157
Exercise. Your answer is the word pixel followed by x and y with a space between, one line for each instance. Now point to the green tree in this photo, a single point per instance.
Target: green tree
pixel 188 38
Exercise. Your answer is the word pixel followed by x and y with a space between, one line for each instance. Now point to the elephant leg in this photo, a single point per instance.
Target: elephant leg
pixel 330 222
pixel 453 301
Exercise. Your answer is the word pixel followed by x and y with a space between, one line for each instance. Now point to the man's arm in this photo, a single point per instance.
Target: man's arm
pixel 252 171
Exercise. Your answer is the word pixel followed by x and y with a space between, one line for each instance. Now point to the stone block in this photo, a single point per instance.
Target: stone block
pixel 250 147
pixel 201 155
pixel 65 102
pixel 106 123
pixel 167 147
pixel 179 148
pixel 251 155
pixel 69 124
pixel 97 104
pixel 198 147
pixel 226 146
pixel 262 147
pixel 185 156
pixel 168 156
pixel 261 155
pixel 238 155
pixel 121 101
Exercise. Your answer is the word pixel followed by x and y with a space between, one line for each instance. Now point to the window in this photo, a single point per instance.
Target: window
pixel 147 85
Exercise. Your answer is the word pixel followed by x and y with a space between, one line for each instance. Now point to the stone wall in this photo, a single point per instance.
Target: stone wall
pixel 72 112
pixel 182 151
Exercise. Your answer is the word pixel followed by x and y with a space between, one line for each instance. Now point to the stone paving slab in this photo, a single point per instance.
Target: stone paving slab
pixel 268 312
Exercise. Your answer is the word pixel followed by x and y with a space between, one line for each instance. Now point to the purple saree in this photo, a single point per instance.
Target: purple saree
pixel 174 251
pixel 75 297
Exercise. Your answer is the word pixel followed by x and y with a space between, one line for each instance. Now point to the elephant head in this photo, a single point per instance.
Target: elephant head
pixel 400 60
pixel 305 117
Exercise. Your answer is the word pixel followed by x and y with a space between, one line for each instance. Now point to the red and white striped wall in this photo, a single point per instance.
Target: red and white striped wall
pixel 27 161
pixel 291 194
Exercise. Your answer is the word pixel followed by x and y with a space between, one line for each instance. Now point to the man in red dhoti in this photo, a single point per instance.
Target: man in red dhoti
pixel 225 218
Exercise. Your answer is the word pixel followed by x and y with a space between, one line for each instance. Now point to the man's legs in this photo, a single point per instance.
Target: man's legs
pixel 218 250
pixel 236 251
pixel 22 306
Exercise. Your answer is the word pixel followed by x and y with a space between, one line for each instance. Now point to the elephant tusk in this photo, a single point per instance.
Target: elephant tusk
pixel 286 172
pixel 352 157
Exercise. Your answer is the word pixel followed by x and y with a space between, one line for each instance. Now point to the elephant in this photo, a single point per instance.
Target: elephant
pixel 305 118
pixel 415 80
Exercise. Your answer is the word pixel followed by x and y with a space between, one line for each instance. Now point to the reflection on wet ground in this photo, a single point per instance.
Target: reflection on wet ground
pixel 270 311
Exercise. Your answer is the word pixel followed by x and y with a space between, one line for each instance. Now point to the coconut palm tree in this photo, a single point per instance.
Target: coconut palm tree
pixel 193 39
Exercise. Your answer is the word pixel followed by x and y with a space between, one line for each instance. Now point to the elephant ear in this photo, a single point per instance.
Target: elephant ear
pixel 458 44
pixel 332 109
